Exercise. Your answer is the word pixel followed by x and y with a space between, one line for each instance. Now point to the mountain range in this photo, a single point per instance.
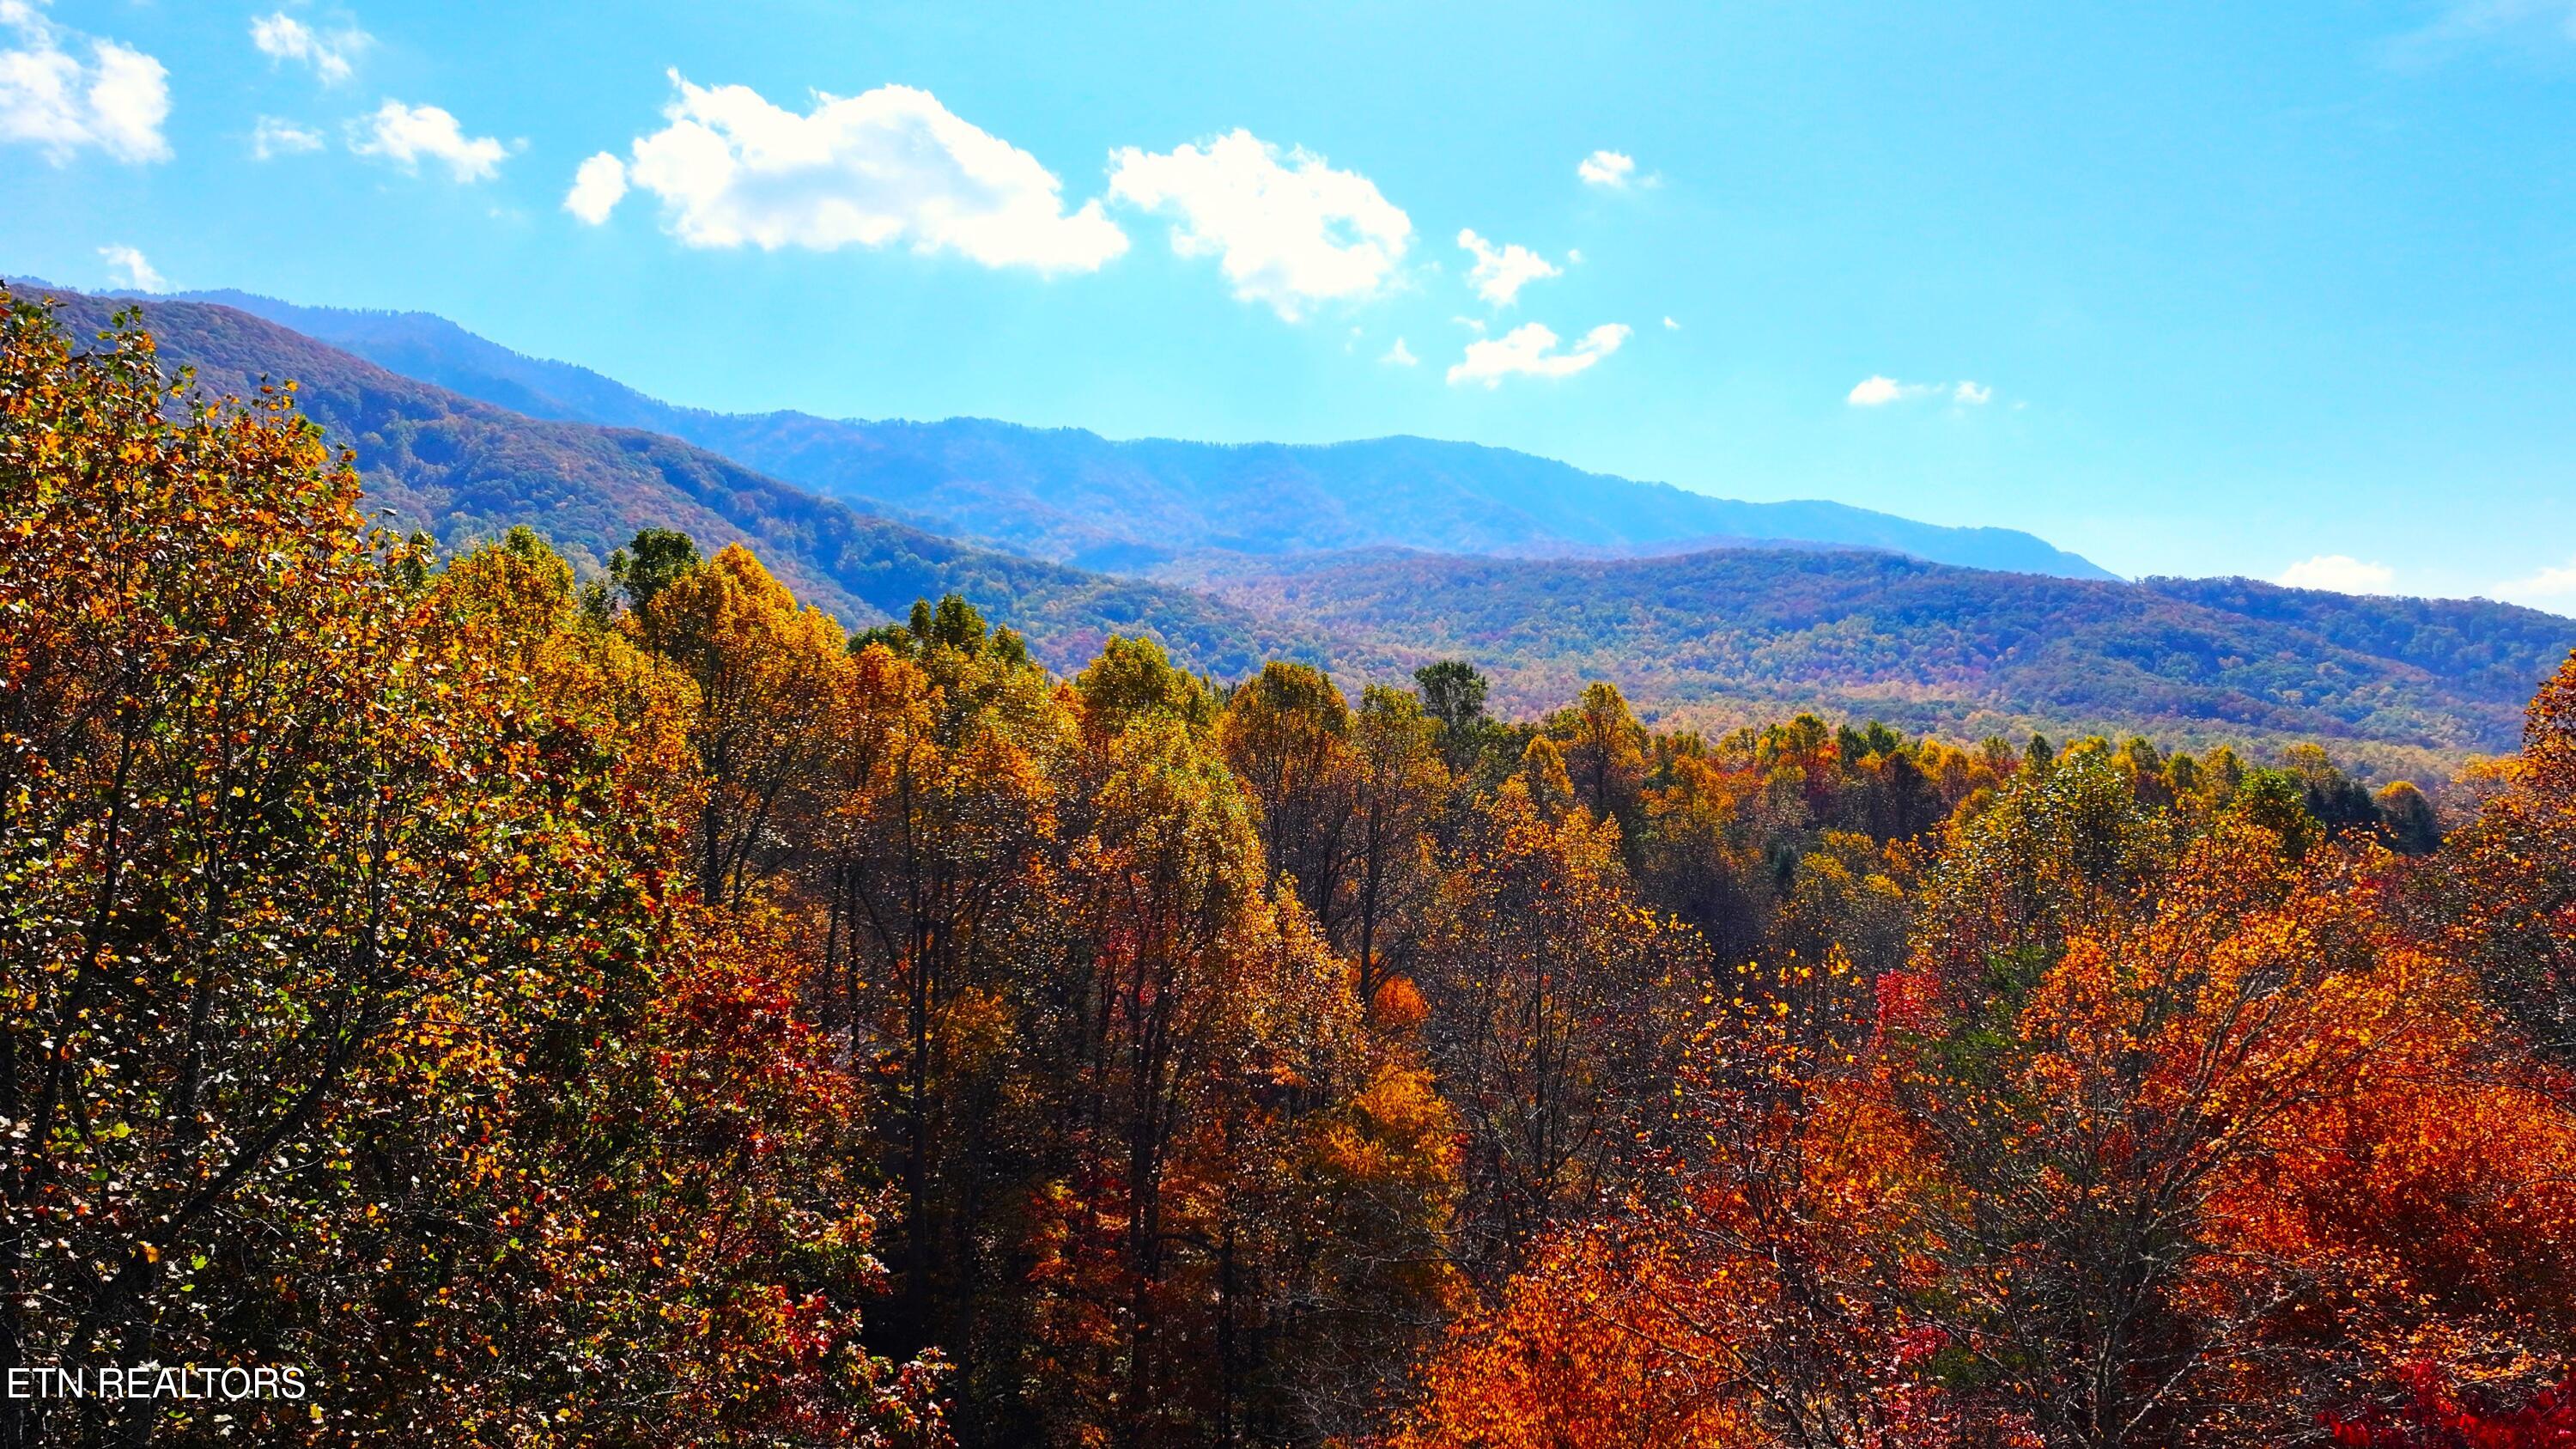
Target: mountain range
pixel 463 470
pixel 1734 635
pixel 1075 497
pixel 465 438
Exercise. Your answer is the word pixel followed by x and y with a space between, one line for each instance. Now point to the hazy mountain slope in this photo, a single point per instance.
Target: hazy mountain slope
pixel 431 349
pixel 1071 495
pixel 1938 648
pixel 465 470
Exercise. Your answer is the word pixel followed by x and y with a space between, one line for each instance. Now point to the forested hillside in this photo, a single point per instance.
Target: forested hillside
pixel 2491 650
pixel 1073 496
pixel 465 470
pixel 1711 639
pixel 634 1011
pixel 1721 636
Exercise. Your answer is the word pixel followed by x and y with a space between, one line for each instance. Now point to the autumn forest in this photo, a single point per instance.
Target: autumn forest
pixel 632 1009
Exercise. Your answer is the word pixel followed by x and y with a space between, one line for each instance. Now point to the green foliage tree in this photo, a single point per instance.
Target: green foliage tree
pixel 1453 694
pixel 656 559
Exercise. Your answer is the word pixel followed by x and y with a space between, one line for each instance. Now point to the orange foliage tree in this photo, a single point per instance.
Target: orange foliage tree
pixel 351 1019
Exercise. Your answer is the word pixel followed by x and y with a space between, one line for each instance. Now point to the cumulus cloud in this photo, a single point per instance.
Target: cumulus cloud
pixel 2339 573
pixel 50 98
pixel 1612 169
pixel 1399 355
pixel 1501 272
pixel 282 37
pixel 888 166
pixel 2553 589
pixel 1287 229
pixel 127 268
pixel 1529 350
pixel 273 138
pixel 1672 326
pixel 1878 392
pixel 409 135
pixel 597 186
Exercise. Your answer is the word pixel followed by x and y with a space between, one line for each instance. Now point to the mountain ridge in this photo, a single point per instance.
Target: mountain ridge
pixel 1736 633
pixel 466 470
pixel 1071 495
pixel 1699 639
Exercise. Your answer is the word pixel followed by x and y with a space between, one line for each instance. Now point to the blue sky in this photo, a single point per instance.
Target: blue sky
pixel 2284 289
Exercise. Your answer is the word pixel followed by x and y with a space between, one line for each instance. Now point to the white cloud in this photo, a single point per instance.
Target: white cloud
pixel 1878 392
pixel 273 137
pixel 1287 228
pixel 2336 572
pixel 127 269
pixel 1472 324
pixel 281 36
pixel 1574 256
pixel 1529 350
pixel 408 135
pixel 2553 589
pixel 1400 355
pixel 597 186
pixel 888 166
pixel 1501 272
pixel 116 101
pixel 1672 326
pixel 1612 169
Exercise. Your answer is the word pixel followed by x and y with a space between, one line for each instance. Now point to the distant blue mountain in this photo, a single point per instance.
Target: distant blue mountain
pixel 1075 497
